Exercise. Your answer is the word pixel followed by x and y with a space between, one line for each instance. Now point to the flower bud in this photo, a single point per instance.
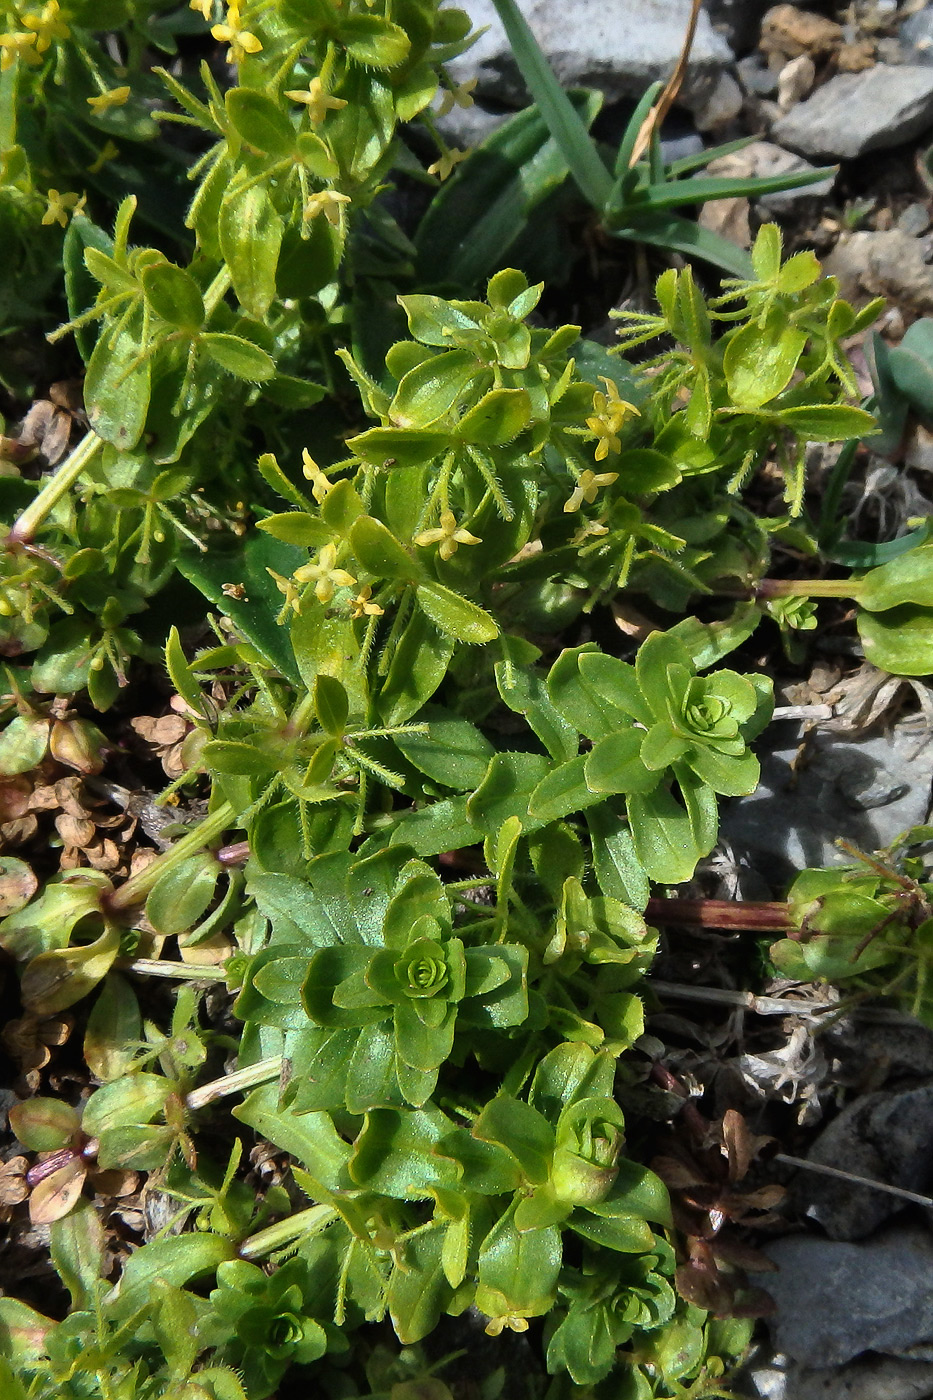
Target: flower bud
pixel 78 744
pixel 589 1141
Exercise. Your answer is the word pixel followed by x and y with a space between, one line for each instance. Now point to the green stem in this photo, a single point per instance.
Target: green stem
pixel 54 489
pixel 217 291
pixel 307 1222
pixel 235 1083
pixel 807 588
pixel 180 971
pixel 137 887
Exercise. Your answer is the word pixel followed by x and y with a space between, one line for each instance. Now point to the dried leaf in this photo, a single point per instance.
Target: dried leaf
pixel 55 1196
pixel 17 885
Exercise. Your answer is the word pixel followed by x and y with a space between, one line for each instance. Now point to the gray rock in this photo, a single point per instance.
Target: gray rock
pixel 914 220
pixel 865 790
pixel 468 126
pixel 885 1136
pixel 869 1378
pixel 619 49
pixel 835 1301
pixel 721 106
pixel 756 77
pixel 890 263
pixel 858 112
pixel 916 36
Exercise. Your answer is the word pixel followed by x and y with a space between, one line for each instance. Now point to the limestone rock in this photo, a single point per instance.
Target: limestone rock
pixel 835 1301
pixel 854 113
pixel 619 48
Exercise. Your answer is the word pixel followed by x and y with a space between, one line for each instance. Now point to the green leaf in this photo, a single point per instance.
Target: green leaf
pixel 402 447
pixel 759 361
pixel 254 615
pixel 663 837
pixel 118 382
pixel 525 692
pixel 497 418
pixel 828 423
pixel 174 295
pixel 259 121
pixel 379 552
pixel 418 1290
pixel 568 130
pixel 139 1098
pixel 900 640
pixel 176 1260
pixel 613 764
pixel 113 1027
pixel 298 528
pixel 476 217
pixel 452 752
pixel 373 41
pixel 562 791
pixel 331 704
pixel 506 790
pixel 419 664
pixel 907 579
pixel 56 980
pixel 455 615
pixel 250 238
pixel 76 1246
pixel 523 1131
pixel 518 1272
pixel 431 389
pixel 238 356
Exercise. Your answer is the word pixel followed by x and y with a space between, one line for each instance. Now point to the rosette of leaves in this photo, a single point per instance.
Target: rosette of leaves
pixel 654 727
pixel 261 1325
pixel 374 1009
pixel 868 924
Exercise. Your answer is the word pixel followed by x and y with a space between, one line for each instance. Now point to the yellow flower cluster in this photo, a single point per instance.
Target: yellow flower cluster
pixel 35 38
pixel 231 32
pixel 448 536
pixel 61 205
pixel 317 101
pixel 609 413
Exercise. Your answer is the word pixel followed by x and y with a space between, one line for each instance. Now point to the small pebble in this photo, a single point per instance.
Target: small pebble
pixel 915 219
pixel 796 81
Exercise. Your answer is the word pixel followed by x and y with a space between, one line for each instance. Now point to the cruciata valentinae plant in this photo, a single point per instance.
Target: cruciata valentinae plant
pixel 443 795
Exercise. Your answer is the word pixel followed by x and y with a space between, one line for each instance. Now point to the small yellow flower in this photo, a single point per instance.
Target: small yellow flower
pixel 610 412
pixel 317 101
pixel 232 32
pixel 205 8
pixel 326 202
pixel 588 530
pixel 107 152
pixel 312 472
pixel 105 100
pixel 448 536
pixel 324 575
pixel 47 25
pixel 20 45
pixel 360 606
pixel 290 589
pixel 60 205
pixel 587 487
pixel 513 1321
pixel 446 162
pixel 457 96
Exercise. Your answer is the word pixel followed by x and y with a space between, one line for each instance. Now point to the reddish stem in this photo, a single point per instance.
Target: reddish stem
pixel 721 914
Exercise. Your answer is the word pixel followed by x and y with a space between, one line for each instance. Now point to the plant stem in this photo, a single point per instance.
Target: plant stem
pixel 184 972
pixel 235 1083
pixel 217 291
pixel 720 913
pixel 306 1222
pixel 807 588
pixel 137 887
pixel 54 489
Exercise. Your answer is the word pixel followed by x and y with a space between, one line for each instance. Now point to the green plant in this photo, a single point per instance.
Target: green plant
pixel 443 796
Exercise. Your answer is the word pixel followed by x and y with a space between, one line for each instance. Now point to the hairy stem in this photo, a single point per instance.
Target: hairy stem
pixel 137 887
pixel 54 489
